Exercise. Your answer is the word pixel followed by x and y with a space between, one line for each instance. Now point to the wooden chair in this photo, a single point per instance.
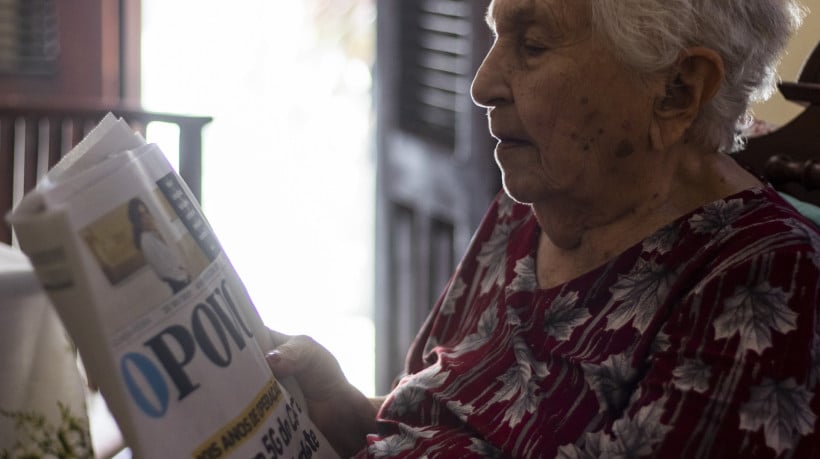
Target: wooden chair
pixel 789 157
pixel 33 137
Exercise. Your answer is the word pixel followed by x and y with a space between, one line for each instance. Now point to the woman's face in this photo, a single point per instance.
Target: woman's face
pixel 146 219
pixel 572 122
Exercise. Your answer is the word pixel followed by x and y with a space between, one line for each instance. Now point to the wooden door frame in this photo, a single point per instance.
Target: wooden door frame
pixel 407 202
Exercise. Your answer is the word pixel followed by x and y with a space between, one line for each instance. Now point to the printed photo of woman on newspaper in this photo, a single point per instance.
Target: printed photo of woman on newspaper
pixel 157 253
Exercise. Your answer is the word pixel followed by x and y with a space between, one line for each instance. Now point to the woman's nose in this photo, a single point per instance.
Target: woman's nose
pixel 490 86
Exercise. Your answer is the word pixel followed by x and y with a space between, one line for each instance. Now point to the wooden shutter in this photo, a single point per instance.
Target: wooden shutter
pixel 436 70
pixel 435 171
pixel 29 37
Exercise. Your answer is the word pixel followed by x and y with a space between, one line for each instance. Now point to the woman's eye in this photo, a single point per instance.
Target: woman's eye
pixel 533 49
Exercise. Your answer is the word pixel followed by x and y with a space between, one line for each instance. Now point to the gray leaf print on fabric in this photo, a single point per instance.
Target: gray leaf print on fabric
pixel 753 312
pixel 632 437
pixel 431 344
pixel 637 436
pixel 485 449
pixel 524 393
pixel 484 331
pixel 662 241
pixel 611 381
pixel 404 440
pixel 588 448
pixel 407 396
pixel 562 316
pixel 448 306
pixel 524 280
pixel 520 382
pixel 716 217
pixel 641 293
pixel 661 343
pixel 460 410
pixel 505 207
pixel 406 400
pixel 814 239
pixel 492 257
pixel 782 409
pixel 692 375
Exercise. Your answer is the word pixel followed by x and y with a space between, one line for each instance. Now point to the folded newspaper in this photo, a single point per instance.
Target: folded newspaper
pixel 162 322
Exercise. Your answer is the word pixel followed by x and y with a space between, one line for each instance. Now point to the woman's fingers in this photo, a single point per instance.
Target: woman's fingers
pixel 343 414
pixel 316 370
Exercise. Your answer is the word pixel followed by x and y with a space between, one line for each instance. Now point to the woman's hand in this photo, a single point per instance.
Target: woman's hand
pixel 343 414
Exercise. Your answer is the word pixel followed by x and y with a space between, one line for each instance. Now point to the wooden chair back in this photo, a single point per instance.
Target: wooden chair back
pixel 33 138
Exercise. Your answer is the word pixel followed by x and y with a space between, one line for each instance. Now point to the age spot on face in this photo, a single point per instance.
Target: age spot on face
pixel 626 125
pixel 590 117
pixel 624 149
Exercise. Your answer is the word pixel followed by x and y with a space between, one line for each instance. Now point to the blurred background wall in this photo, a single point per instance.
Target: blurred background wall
pixel 778 110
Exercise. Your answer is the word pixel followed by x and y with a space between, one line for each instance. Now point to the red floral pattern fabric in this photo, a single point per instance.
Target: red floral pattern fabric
pixel 701 341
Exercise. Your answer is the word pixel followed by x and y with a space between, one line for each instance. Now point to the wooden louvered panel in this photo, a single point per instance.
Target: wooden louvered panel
pixel 436 35
pixel 29 37
pixel 435 170
pixel 442 80
pixel 421 262
pixel 437 62
pixel 404 295
pixel 441 258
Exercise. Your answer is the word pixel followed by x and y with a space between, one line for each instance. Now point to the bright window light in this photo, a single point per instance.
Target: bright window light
pixel 288 173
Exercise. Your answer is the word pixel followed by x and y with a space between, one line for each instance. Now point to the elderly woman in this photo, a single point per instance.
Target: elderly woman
pixel 633 292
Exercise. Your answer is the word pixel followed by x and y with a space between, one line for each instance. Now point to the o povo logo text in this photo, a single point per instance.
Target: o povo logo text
pixel 215 330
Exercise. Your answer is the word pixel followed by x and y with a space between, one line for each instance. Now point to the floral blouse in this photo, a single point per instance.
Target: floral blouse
pixel 701 341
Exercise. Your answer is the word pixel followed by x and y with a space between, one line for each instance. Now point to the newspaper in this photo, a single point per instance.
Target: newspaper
pixel 162 322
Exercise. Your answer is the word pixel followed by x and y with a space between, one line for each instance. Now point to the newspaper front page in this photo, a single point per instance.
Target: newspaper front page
pixel 161 320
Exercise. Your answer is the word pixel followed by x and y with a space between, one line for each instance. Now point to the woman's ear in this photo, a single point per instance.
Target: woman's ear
pixel 692 82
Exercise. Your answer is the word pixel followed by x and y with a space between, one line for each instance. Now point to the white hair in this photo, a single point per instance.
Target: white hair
pixel 749 35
